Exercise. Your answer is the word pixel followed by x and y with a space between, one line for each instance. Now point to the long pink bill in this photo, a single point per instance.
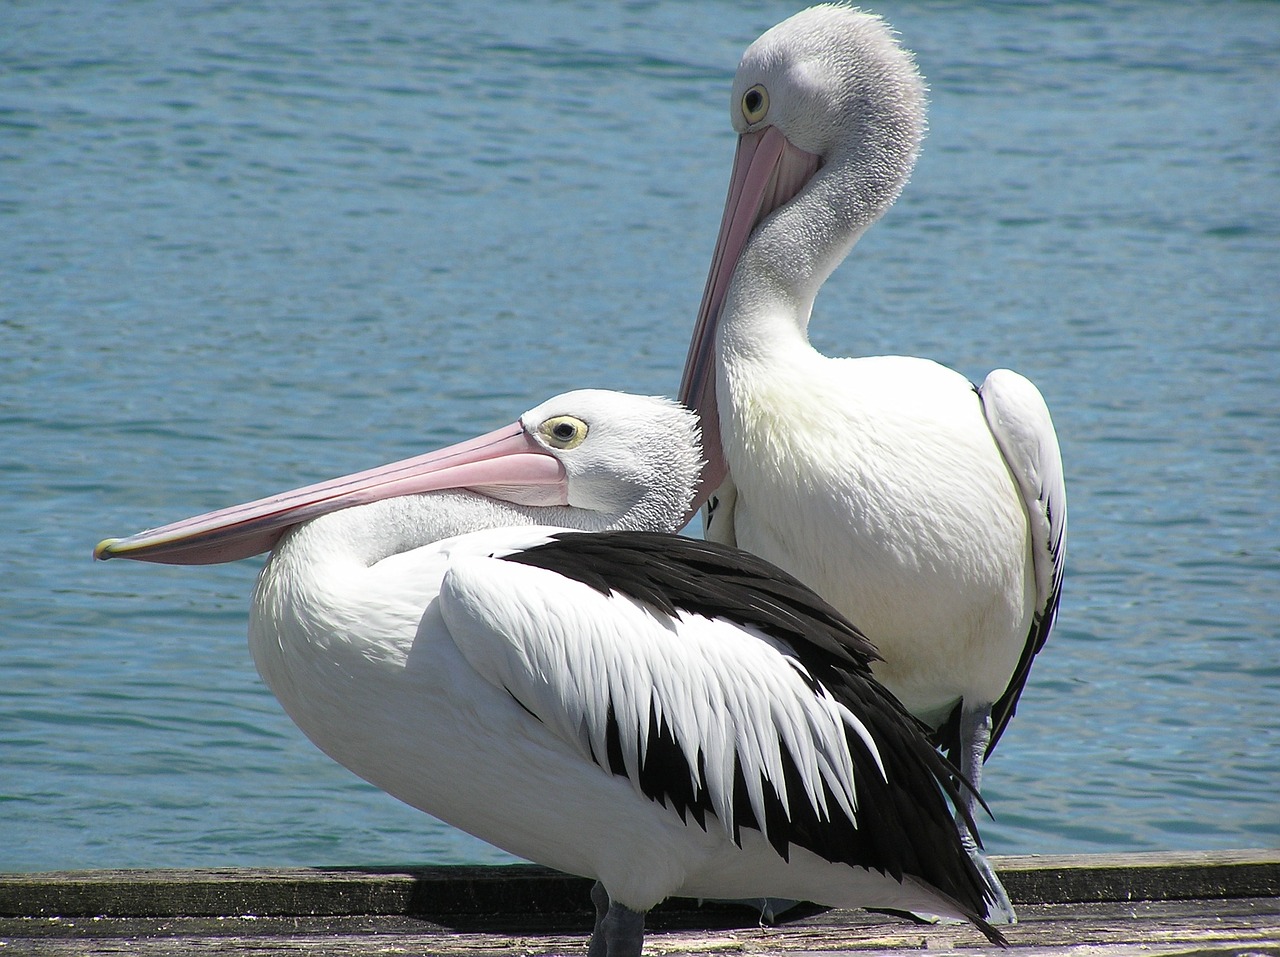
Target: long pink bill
pixel 506 464
pixel 767 172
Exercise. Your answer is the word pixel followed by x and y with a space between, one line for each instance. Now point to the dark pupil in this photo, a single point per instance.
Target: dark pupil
pixel 753 101
pixel 564 431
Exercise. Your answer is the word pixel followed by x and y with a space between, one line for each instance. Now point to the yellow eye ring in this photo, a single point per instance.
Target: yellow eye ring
pixel 563 431
pixel 755 104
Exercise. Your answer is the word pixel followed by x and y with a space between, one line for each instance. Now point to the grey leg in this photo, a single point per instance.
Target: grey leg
pixel 619 931
pixel 600 898
pixel 975 736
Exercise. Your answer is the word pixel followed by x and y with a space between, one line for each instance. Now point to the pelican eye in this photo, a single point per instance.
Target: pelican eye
pixel 564 431
pixel 755 103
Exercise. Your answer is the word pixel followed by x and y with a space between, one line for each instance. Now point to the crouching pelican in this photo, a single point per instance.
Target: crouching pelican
pixel 930 512
pixel 664 715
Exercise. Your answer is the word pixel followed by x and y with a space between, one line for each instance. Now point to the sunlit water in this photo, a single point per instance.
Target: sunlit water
pixel 243 247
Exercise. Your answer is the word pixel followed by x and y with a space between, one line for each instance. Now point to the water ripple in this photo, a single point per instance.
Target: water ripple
pixel 258 246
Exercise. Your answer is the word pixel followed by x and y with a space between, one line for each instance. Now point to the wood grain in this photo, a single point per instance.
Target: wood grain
pixel 1154 905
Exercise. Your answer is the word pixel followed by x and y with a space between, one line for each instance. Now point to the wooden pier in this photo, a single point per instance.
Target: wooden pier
pixel 1153 905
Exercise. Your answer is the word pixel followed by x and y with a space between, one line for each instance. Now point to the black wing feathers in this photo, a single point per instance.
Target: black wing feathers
pixel 903 826
pixel 675 573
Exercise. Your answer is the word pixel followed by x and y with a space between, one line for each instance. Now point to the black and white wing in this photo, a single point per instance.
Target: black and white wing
pixel 721 688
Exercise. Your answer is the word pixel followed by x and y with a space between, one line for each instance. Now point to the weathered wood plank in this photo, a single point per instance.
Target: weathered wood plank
pixel 1152 876
pixel 527 890
pixel 426 891
pixel 1195 905
pixel 1161 928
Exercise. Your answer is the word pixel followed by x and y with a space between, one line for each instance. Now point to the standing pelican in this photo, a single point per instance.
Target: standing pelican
pixel 664 715
pixel 929 511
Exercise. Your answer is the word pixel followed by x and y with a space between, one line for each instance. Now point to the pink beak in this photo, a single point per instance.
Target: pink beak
pixel 767 173
pixel 506 464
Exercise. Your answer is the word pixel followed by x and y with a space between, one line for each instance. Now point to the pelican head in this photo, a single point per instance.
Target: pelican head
pixel 590 459
pixel 835 83
pixel 631 461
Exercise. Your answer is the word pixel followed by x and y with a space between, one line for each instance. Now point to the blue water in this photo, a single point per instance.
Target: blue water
pixel 247 246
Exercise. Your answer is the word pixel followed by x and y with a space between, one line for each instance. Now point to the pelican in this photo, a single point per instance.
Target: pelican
pixel 661 714
pixel 930 511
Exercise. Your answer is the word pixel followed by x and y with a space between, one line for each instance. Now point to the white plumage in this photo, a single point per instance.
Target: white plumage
pixel 930 512
pixel 664 715
pixel 522 707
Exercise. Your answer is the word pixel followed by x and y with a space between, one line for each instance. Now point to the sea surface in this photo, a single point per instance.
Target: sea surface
pixel 246 246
